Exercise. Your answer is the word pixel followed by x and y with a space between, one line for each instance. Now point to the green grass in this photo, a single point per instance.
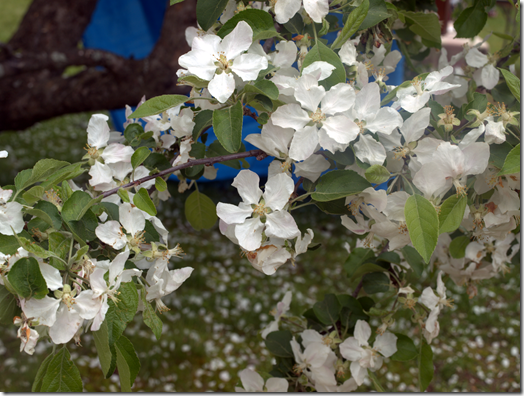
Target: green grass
pixel 10 17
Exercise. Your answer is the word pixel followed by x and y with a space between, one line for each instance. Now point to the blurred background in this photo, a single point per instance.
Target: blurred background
pixel 52 80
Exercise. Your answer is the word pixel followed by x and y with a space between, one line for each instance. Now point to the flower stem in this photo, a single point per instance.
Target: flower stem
pixel 374 378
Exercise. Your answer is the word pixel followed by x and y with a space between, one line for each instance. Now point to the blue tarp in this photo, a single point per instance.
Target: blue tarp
pixel 131 28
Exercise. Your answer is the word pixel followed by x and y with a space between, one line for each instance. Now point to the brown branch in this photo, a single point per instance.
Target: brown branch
pixel 60 60
pixel 203 161
pixel 35 89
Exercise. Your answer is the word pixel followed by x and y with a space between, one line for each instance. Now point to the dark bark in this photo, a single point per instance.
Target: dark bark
pixel 32 86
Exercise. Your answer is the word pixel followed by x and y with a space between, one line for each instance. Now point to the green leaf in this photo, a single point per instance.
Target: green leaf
pixel 120 314
pixel 47 212
pixel 414 260
pixel 498 153
pixel 59 245
pixel 338 184
pixel 512 162
pixel 139 156
pixel 513 82
pixel 106 352
pixel 358 257
pixel 193 81
pixel 66 173
pixel 157 105
pixel 406 349
pixel 279 343
pixel 200 211
pixel 123 194
pixel 327 310
pixel 227 125
pixel 337 207
pixel 22 178
pixel 377 174
pixel 471 21
pixel 375 282
pixel 427 26
pixel 34 194
pixel 264 87
pixel 26 279
pixel 423 225
pixel 152 320
pixel 389 257
pixel 143 202
pixel 8 306
pixel 457 247
pixel 260 21
pixel 321 52
pixel 77 206
pixel 127 362
pixel 351 311
pixel 202 120
pixel 132 133
pixel 160 184
pixel 425 367
pixel 346 157
pixel 62 375
pixel 366 269
pixel 37 384
pixel 208 11
pixel 42 169
pixel 8 244
pixel 451 213
pixel 173 2
pixel 352 23
pixel 378 11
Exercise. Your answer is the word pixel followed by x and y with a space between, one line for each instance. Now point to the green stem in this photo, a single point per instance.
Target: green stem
pixel 301 206
pixel 301 197
pixel 374 378
pixel 286 320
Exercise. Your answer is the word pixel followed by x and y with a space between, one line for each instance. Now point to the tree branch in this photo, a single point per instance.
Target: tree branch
pixel 203 161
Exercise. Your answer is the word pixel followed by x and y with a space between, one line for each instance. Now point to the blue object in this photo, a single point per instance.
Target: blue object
pixel 131 28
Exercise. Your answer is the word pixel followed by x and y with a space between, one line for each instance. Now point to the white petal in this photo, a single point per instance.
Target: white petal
pixel 116 152
pixel 247 66
pixel 100 173
pixel 199 62
pixel 490 76
pixel 222 86
pixel 304 143
pixel 308 92
pixel 286 9
pixel 281 225
pixel 279 385
pixel 476 157
pixel 414 127
pixel 111 234
pixel 312 167
pixel 316 9
pixel 290 116
pixel 320 69
pixel 11 216
pixel 86 305
pixel 252 381
pixel 348 53
pixel 362 332
pixel 494 133
pixel 472 136
pixel 370 151
pixel 367 101
pixel 278 190
pixel 238 41
pixel 51 275
pixel 285 55
pixel 246 182
pixel 475 58
pixel 117 266
pixel 66 325
pixel 339 98
pixel 340 128
pixel 131 218
pixel 43 310
pixel 98 131
pixel 358 372
pixel 386 344
pixel 249 234
pixel 385 121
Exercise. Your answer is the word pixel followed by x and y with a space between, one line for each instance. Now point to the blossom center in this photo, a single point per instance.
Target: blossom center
pixel 318 117
pixel 261 209
pixel 417 84
pixel 354 206
pixel 223 64
pixel 403 228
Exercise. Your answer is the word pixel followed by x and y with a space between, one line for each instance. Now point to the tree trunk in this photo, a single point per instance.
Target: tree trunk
pixel 32 84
